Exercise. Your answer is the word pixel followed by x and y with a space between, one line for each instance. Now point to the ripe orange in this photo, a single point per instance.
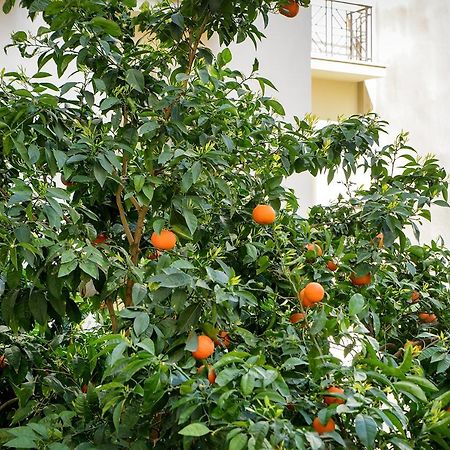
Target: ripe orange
pixel 314 292
pixel 205 348
pixel 100 239
pixel 427 318
pixel 332 266
pixel 296 317
pixel 415 295
pixel 314 247
pixel 363 280
pixel 380 239
pixel 3 362
pixel 264 214
pixel 327 428
pixel 304 301
pixel 154 255
pixel 211 373
pixel 223 339
pixel 289 8
pixel 330 400
pixel 448 409
pixel 66 182
pixel 166 240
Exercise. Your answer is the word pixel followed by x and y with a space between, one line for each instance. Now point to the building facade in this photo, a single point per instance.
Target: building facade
pixel 339 58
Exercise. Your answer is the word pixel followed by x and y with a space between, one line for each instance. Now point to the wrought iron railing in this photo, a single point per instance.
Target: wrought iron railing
pixel 342 30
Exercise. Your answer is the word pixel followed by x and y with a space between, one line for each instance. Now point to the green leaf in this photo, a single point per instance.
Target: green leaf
pixel 90 268
pixel 366 429
pixel 191 219
pixel 189 316
pixel 100 174
pixel 356 304
pixel 247 384
pixel 178 19
pixel 108 26
pixel 423 382
pixel 226 55
pixel 401 444
pixel 195 430
pixel 7 6
pixel 410 388
pixel 228 142
pixel 21 442
pixel 67 268
pixel 319 323
pixel 276 106
pixel 135 78
pixel 238 442
pixel 141 323
pixel 227 375
pixel 138 293
pixel 108 103
pixel 38 307
pixel 172 280
pixel 117 415
pixel 148 127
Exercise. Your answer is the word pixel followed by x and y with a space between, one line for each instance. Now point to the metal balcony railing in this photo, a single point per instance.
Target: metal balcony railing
pixel 342 30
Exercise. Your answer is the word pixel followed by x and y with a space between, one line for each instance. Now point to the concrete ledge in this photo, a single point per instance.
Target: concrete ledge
pixel 336 69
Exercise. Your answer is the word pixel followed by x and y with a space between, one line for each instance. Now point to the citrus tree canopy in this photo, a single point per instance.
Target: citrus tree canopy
pixel 158 288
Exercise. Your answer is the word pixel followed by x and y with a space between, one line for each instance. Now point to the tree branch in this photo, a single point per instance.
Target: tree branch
pixel 123 217
pixel 134 251
pixel 112 315
pixel 135 203
pixel 8 403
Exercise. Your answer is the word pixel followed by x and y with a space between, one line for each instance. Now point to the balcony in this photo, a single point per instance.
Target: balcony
pixel 342 30
pixel 342 41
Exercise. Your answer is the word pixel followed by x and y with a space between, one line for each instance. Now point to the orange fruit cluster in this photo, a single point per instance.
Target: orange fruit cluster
pixel 314 248
pixel 211 373
pixel 312 293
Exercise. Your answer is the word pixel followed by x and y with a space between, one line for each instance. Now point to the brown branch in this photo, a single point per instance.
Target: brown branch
pixel 123 217
pixel 138 233
pixel 135 203
pixel 112 314
pixel 8 403
pixel 134 251
pixel 193 47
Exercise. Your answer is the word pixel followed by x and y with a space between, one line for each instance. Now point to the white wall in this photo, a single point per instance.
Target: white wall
pixel 16 20
pixel 414 43
pixel 284 58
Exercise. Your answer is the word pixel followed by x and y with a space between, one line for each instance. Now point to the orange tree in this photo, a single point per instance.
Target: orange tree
pixel 128 195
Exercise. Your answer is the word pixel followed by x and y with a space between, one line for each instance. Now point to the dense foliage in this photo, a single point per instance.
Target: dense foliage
pixel 153 132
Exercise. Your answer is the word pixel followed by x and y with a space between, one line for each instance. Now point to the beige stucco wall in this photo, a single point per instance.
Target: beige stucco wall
pixel 334 98
pixel 414 44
